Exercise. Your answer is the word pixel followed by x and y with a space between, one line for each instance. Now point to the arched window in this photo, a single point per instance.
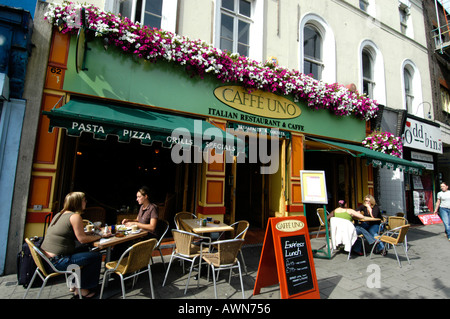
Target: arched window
pixel 409 93
pixel 412 90
pixel 312 46
pixel 372 78
pixel 315 35
pixel 368 76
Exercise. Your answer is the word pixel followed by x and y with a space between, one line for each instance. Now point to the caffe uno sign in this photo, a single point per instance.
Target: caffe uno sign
pixel 257 102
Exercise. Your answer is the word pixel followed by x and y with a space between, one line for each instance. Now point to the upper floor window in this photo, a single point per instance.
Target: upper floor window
pixel 412 89
pixel 235 22
pixel 315 36
pixel 312 46
pixel 445 100
pixel 368 78
pixel 404 9
pixel 409 93
pixel 372 74
pixel 364 5
pixel 160 14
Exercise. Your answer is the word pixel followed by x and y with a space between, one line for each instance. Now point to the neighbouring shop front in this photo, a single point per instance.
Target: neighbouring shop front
pixel 422 144
pixel 108 127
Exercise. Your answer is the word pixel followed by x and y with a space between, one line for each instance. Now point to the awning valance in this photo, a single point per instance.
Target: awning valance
pixel 78 116
pixel 375 158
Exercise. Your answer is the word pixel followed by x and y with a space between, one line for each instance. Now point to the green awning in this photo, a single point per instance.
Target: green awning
pixel 78 116
pixel 375 158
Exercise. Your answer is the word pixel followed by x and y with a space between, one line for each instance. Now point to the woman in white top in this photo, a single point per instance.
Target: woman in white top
pixel 443 205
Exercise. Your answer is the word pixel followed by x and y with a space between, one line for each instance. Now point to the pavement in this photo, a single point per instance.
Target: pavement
pixel 379 277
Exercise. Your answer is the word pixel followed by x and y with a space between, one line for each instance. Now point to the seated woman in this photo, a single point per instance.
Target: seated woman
pixel 347 213
pixel 59 244
pixel 147 218
pixel 371 209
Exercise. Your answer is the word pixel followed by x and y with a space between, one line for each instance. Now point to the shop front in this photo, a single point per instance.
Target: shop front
pixel 112 122
pixel 422 144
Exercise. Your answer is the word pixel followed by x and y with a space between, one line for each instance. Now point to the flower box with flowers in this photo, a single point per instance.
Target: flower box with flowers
pixel 384 142
pixel 201 59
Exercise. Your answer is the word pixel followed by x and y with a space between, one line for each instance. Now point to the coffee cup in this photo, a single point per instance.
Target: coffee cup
pixel 134 228
pixel 89 228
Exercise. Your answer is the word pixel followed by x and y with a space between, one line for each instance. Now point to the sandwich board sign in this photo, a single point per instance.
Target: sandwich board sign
pixel 287 259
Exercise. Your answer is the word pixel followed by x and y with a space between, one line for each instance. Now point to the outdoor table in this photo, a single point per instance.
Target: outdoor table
pixel 113 241
pixel 194 226
pixel 367 219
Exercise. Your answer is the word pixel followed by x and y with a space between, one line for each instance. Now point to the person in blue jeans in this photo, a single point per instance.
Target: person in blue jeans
pixel 59 244
pixel 370 229
pixel 443 205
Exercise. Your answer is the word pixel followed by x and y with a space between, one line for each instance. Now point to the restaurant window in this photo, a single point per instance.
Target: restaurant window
pixel 160 14
pixel 235 25
pixel 409 96
pixel 368 78
pixel 312 46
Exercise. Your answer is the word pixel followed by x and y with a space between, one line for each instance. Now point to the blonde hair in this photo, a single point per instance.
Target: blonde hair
pixel 372 200
pixel 74 202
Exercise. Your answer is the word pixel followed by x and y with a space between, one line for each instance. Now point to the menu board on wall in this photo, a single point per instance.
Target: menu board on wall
pixel 287 259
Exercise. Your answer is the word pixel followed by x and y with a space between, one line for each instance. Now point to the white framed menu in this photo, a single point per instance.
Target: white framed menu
pixel 314 187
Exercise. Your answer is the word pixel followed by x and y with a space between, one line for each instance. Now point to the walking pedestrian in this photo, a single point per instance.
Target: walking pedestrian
pixel 443 205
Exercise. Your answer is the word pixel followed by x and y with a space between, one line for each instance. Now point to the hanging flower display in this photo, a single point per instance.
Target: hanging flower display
pixel 384 142
pixel 201 59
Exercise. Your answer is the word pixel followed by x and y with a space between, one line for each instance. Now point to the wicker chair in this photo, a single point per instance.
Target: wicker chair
pixel 132 263
pixel 393 222
pixel 394 237
pixel 224 258
pixel 183 215
pixel 42 271
pixel 321 215
pixel 186 250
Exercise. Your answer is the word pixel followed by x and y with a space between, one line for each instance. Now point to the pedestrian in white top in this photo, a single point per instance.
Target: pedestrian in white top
pixel 443 205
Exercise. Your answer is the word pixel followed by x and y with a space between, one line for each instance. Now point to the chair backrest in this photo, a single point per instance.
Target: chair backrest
pixel 183 215
pixel 39 258
pixel 161 229
pixel 228 250
pixel 396 221
pixel 139 255
pixel 401 234
pixel 240 228
pixel 183 241
pixel 321 214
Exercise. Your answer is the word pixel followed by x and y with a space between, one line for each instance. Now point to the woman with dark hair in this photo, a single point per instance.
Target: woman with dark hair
pixel 147 217
pixel 59 244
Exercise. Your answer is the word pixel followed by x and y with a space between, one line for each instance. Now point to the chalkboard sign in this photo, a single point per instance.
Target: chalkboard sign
pixel 296 264
pixel 286 258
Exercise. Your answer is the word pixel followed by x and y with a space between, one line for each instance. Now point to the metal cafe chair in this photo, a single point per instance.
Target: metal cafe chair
pixel 394 237
pixel 186 250
pixel 161 229
pixel 46 272
pixel 224 258
pixel 134 261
